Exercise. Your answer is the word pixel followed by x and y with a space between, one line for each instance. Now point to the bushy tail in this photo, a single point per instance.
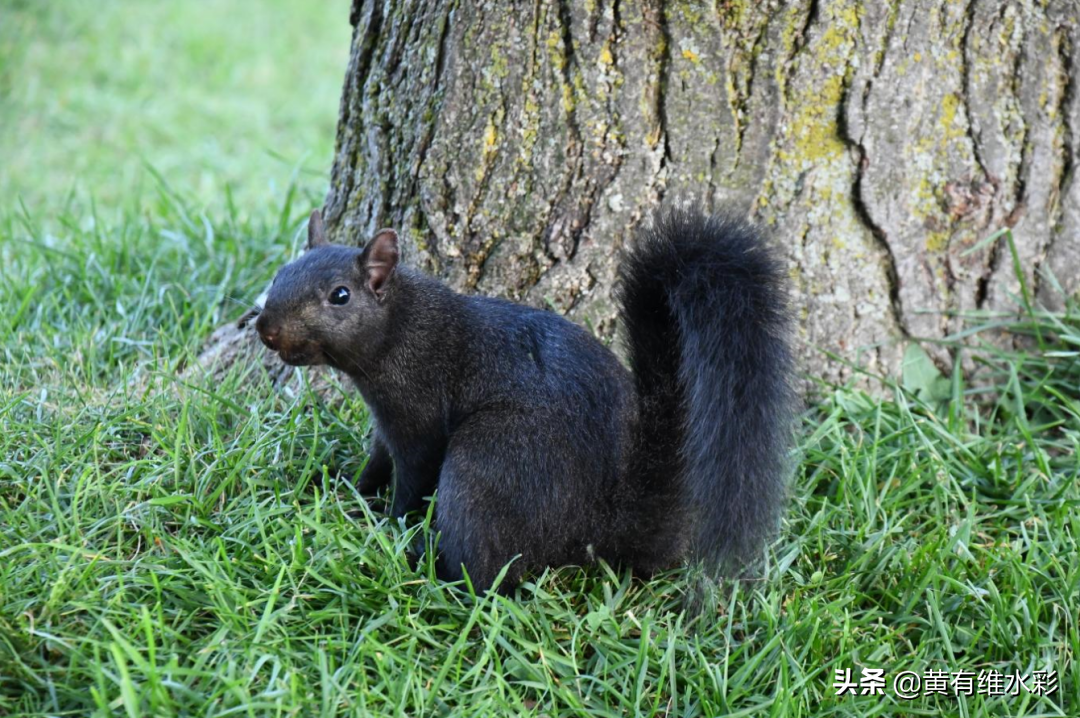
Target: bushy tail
pixel 705 308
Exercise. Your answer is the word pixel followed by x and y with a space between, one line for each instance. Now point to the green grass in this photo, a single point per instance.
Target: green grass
pixel 170 544
pixel 214 94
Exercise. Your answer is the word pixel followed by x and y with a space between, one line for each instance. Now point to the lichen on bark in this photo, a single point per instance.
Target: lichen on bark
pixel 518 145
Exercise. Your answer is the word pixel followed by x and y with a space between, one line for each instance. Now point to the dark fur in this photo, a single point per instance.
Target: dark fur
pixel 540 442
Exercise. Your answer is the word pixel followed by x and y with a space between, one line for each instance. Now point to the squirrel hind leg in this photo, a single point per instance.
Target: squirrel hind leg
pixel 506 497
pixel 474 536
pixel 657 522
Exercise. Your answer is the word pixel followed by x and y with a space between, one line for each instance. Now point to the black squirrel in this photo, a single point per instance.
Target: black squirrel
pixel 542 445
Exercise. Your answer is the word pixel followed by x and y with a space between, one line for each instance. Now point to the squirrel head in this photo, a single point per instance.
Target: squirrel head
pixel 331 305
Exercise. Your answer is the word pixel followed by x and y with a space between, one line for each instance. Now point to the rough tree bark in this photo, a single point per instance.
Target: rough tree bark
pixel 518 144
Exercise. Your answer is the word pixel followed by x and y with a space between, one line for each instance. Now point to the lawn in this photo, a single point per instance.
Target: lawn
pixel 211 93
pixel 170 544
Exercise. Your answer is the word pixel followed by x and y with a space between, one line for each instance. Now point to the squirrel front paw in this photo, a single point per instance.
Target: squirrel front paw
pixel 375 475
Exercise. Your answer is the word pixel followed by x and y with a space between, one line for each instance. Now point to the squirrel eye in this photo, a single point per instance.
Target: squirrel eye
pixel 339 296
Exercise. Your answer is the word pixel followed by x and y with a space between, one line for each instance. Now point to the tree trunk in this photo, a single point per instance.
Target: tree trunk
pixel 517 145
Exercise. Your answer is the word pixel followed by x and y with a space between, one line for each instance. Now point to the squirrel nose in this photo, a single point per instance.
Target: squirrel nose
pixel 268 334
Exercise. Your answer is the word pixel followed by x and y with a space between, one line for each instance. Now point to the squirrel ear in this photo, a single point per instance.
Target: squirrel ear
pixel 379 259
pixel 316 231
